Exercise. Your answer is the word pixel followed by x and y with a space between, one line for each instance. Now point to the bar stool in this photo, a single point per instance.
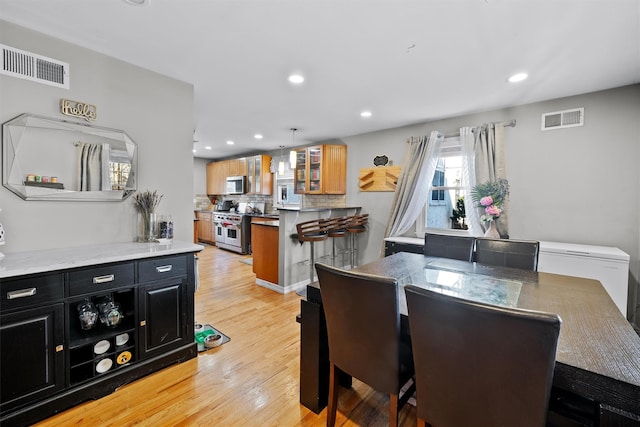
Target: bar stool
pixel 338 229
pixel 356 225
pixel 313 231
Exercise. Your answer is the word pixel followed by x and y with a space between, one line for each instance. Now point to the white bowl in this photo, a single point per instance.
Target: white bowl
pixel 122 339
pixel 101 347
pixel 104 365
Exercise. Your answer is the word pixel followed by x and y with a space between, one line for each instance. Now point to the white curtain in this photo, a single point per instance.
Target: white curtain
pixel 414 183
pixel 485 145
pixel 93 167
pixel 467 140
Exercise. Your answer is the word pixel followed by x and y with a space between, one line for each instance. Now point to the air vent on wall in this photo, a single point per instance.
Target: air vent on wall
pixel 37 68
pixel 563 119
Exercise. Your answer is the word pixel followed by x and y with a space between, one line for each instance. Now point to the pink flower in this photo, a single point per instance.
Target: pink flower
pixel 486 201
pixel 493 210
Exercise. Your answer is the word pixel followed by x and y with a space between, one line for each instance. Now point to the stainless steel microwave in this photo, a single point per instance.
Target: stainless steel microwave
pixel 236 184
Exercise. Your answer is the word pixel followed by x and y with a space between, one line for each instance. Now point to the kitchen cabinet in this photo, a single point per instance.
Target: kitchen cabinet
pixel 79 331
pixel 259 175
pixel 32 352
pixel 205 227
pixel 321 169
pixel 217 173
pixel 237 167
pixel 264 245
pixel 162 306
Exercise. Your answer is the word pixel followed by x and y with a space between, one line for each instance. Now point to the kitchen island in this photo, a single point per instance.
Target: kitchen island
pixel 293 257
pixel 264 244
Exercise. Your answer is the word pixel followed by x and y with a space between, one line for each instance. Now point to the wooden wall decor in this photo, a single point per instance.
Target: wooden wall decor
pixel 381 178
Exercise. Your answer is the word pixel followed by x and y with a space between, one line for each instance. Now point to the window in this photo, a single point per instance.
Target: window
pixel 444 209
pixel 438 181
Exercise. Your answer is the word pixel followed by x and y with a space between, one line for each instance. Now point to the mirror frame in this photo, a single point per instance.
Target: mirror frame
pixel 13 134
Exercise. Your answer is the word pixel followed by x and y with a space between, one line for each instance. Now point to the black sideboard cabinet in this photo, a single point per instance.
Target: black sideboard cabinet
pixel 49 363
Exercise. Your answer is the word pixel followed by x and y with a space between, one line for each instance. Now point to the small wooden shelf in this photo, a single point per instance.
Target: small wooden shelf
pixel 381 178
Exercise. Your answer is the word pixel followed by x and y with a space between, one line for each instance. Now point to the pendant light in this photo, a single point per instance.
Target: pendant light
pixel 293 154
pixel 281 162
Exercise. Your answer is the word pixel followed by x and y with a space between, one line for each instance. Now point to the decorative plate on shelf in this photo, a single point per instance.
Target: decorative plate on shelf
pixel 380 160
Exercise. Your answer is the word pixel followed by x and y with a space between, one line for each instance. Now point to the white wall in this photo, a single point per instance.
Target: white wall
pixel 578 185
pixel 154 110
pixel 200 176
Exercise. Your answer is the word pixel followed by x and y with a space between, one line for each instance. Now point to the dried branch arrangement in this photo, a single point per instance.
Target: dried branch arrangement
pixel 147 201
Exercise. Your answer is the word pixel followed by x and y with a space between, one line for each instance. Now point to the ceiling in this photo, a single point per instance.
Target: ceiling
pixel 404 61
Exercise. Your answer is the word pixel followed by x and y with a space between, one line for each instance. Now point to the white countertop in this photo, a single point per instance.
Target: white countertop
pixel 410 240
pixel 30 262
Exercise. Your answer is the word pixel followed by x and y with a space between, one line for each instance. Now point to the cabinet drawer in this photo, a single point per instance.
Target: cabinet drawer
pixel 162 268
pixel 31 291
pixel 98 279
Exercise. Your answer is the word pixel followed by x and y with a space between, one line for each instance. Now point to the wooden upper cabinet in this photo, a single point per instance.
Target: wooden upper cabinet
pixel 237 167
pixel 259 175
pixel 217 173
pixel 334 169
pixel 321 169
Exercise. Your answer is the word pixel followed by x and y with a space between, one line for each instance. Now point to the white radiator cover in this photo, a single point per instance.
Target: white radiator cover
pixel 606 264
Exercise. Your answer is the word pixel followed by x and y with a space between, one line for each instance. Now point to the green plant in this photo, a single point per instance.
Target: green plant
pixel 458 215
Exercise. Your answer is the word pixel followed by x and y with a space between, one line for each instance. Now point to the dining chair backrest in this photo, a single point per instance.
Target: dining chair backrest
pixel 508 253
pixel 444 246
pixel 364 336
pixel 479 364
pixel 363 325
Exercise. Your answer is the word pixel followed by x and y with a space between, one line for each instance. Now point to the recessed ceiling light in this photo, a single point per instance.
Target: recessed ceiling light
pixel 137 2
pixel 257 136
pixel 365 114
pixel 194 150
pixel 296 79
pixel 207 148
pixel 230 142
pixel 518 77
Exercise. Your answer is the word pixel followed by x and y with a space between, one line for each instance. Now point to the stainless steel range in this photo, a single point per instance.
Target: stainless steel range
pixel 231 231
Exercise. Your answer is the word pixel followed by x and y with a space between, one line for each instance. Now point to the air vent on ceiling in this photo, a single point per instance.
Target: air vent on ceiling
pixel 563 119
pixel 38 68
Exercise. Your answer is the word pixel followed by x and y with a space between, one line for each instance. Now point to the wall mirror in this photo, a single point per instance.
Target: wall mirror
pixel 52 159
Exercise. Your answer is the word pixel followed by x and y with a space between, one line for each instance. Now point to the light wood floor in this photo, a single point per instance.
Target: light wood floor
pixel 251 380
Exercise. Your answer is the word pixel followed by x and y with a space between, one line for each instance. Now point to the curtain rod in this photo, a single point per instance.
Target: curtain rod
pixel 511 123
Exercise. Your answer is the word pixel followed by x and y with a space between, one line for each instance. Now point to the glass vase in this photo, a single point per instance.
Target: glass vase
pixel 147 227
pixel 492 231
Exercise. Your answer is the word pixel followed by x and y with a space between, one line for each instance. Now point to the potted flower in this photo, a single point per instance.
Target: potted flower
pixel 490 196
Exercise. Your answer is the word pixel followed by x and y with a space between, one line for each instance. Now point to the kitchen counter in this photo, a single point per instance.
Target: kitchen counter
pixel 317 209
pixel 31 262
pixel 274 223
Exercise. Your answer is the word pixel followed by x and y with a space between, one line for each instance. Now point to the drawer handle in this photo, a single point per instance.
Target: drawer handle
pixel 104 279
pixel 164 268
pixel 21 293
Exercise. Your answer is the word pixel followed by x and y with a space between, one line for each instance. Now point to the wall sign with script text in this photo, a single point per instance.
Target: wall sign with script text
pixel 78 109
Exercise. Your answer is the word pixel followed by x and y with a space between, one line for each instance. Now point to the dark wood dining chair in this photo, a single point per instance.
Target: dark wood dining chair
pixel 444 246
pixel 479 364
pixel 508 253
pixel 364 336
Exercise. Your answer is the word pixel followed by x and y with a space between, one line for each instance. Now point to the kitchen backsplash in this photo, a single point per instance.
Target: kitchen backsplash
pixel 204 202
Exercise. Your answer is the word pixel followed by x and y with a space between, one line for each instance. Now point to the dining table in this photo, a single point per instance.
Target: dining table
pixel 597 372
